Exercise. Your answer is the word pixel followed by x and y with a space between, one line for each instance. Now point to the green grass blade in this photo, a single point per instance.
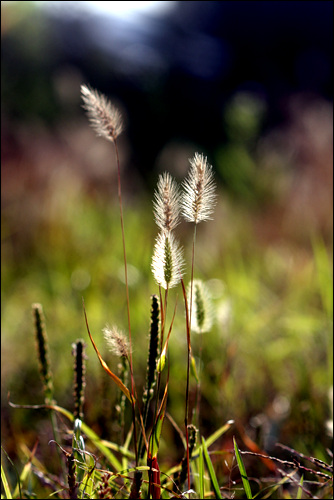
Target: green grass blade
pixel 300 488
pixel 23 476
pixel 5 483
pixel 211 439
pixel 15 470
pixel 212 473
pixel 242 470
pixel 87 486
pixel 156 434
pixel 201 474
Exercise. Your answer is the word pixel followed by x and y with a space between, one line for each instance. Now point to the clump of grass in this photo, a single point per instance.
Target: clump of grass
pixel 132 470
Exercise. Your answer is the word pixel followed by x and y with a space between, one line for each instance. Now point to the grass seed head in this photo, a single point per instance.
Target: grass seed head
pixel 117 342
pixel 166 205
pixel 104 117
pixel 167 261
pixel 201 308
pixel 43 352
pixel 199 196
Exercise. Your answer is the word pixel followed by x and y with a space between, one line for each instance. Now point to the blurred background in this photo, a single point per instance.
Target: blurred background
pixel 249 84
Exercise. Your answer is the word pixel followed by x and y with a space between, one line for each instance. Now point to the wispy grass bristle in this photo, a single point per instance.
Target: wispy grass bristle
pixel 199 196
pixel 166 205
pixel 167 261
pixel 117 342
pixel 104 117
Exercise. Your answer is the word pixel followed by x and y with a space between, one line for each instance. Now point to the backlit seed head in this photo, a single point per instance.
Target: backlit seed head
pixel 199 196
pixel 104 117
pixel 167 261
pixel 117 342
pixel 166 205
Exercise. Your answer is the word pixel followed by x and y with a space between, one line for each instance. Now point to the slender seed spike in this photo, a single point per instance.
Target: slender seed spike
pixel 181 477
pixel 153 346
pixel 199 197
pixel 78 350
pixel 104 117
pixel 43 352
pixel 151 365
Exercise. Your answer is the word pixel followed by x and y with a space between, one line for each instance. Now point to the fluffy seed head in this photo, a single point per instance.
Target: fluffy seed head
pixel 199 197
pixel 116 341
pixel 167 261
pixel 201 307
pixel 103 116
pixel 166 204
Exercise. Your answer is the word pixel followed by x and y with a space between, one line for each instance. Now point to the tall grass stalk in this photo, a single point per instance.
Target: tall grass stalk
pixel 107 122
pixel 127 301
pixel 198 202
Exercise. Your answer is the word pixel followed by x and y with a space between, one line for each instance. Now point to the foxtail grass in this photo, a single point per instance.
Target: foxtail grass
pixel 131 469
pixel 78 351
pixel 43 352
pixel 106 121
pixel 198 201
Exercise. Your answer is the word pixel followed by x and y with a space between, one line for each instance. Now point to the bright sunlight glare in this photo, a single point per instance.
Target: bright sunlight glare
pixel 127 8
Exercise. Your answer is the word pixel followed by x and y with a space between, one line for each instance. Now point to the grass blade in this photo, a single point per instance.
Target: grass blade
pixel 201 474
pixel 242 470
pixel 5 484
pixel 211 439
pixel 212 473
pixel 300 488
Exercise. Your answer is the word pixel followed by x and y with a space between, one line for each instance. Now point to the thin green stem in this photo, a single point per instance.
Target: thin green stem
pixel 186 418
pixel 192 271
pixel 127 298
pixel 163 309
